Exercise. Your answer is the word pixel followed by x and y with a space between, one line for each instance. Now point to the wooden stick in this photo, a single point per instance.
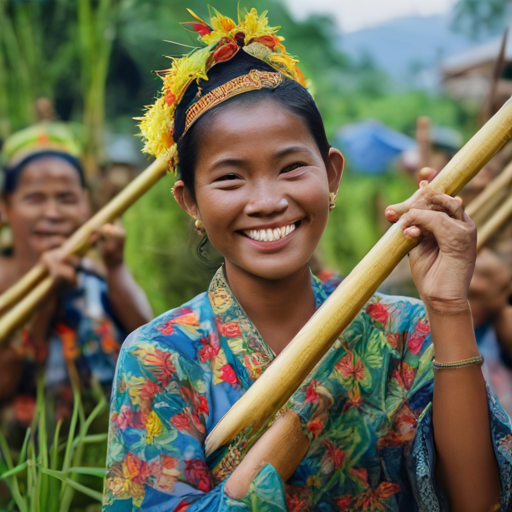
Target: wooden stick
pixel 487 108
pixel 76 243
pixel 286 373
pixel 491 195
pixel 490 228
pixel 423 141
pixel 21 312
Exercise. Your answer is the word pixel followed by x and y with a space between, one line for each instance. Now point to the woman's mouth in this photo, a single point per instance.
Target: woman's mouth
pixel 271 235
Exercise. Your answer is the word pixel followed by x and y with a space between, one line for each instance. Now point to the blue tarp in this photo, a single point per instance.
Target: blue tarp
pixel 370 146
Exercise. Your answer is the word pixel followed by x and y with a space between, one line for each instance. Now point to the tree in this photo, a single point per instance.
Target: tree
pixel 480 17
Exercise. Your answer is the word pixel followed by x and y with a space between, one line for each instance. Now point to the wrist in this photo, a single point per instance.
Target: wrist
pixel 447 307
pixel 115 267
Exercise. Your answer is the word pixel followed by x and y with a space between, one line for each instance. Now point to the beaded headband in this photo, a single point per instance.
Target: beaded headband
pixel 196 83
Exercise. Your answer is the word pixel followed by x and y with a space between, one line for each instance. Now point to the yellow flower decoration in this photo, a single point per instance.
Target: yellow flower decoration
pixel 253 32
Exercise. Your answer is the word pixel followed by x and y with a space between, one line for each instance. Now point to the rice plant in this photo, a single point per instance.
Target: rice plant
pixel 47 473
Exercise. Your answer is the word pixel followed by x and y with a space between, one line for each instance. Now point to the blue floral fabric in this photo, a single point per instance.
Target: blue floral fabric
pixel 365 407
pixel 83 332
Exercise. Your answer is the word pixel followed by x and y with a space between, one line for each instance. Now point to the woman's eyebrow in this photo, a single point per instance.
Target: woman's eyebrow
pixel 228 162
pixel 291 149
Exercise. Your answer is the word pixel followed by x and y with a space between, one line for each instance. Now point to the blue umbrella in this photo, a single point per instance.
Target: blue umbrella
pixel 370 146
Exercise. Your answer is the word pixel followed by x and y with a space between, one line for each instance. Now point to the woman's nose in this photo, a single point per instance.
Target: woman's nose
pixel 266 201
pixel 51 210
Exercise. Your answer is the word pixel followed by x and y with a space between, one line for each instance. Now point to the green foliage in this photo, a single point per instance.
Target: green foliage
pixel 161 250
pixel 479 17
pixel 47 472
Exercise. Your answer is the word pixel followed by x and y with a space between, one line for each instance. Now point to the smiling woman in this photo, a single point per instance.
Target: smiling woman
pixel 84 319
pixel 370 428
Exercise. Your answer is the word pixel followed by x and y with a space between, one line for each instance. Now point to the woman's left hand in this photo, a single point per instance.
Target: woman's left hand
pixel 111 244
pixel 442 264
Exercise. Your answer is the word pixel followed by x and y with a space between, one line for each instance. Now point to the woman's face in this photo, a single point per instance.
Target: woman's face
pixel 47 205
pixel 262 189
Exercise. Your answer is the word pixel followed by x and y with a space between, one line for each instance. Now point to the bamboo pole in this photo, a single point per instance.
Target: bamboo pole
pixel 286 373
pixel 488 199
pixel 490 228
pixel 77 242
pixel 423 141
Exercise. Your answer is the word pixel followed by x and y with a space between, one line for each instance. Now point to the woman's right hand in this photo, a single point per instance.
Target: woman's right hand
pixel 283 446
pixel 60 266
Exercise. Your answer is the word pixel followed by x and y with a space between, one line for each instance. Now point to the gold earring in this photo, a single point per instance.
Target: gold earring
pixel 199 227
pixel 332 200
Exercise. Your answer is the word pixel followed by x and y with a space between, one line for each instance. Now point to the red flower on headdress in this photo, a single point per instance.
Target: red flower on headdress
pixel 269 41
pixel 226 49
pixel 169 98
pixel 201 29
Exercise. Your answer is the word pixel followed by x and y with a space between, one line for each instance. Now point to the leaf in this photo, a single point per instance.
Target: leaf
pixel 99 472
pixel 75 485
pixel 23 452
pixel 14 471
pixel 94 438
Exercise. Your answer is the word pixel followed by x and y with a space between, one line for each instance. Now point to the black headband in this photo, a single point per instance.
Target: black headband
pixel 12 174
pixel 241 64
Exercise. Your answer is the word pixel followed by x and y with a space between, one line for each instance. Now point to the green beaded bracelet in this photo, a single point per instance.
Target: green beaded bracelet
pixel 477 360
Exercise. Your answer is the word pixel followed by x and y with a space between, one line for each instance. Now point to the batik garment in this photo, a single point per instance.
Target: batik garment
pixel 366 408
pixel 85 334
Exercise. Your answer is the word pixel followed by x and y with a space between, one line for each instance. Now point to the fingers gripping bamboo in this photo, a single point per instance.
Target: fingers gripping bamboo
pixel 491 227
pixel 492 194
pixel 284 376
pixel 25 291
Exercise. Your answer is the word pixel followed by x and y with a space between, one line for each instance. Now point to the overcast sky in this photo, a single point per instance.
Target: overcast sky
pixel 357 14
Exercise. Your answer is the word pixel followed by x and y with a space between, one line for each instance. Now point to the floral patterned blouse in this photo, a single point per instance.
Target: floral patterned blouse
pixel 366 408
pixel 85 333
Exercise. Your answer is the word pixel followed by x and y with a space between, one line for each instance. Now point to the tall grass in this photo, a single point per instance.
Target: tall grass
pixel 47 472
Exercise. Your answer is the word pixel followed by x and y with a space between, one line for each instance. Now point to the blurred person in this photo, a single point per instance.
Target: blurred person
pixel 489 297
pixel 86 316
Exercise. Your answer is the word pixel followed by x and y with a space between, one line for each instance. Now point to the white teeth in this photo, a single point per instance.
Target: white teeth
pixel 270 235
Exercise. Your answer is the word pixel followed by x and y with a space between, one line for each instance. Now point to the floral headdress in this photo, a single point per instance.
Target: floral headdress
pixel 224 39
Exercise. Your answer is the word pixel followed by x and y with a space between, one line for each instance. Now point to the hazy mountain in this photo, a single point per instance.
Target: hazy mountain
pixel 406 46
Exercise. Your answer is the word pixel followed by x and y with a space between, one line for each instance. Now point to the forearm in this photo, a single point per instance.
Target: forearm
pixel 283 446
pixel 465 465
pixel 129 302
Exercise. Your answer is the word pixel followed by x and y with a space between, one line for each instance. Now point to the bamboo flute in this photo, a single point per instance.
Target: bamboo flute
pixel 487 200
pixel 286 373
pixel 499 218
pixel 78 241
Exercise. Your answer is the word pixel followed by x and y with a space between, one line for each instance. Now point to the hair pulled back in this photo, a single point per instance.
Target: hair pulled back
pixel 290 95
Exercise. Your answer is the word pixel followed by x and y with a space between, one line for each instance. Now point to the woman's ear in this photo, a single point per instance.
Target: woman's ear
pixel 335 166
pixel 184 198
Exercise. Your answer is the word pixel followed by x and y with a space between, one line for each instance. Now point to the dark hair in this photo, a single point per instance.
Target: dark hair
pixel 290 95
pixel 12 174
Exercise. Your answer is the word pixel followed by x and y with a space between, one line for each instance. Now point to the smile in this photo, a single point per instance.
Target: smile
pixel 270 235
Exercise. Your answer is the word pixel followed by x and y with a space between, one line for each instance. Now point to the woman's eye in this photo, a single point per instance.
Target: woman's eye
pixel 292 167
pixel 230 176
